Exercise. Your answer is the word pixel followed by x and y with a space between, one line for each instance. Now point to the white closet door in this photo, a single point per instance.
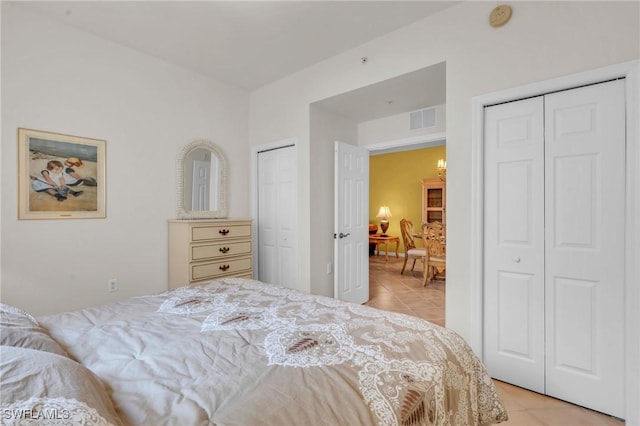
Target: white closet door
pixel 514 243
pixel 585 188
pixel 277 238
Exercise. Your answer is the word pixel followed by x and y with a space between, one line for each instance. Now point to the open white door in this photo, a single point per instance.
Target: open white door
pixel 351 250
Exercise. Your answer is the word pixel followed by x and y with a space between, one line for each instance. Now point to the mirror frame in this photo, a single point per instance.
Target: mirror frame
pixel 183 213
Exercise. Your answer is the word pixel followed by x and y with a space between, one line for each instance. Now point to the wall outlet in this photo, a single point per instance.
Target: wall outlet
pixel 113 285
pixel 329 268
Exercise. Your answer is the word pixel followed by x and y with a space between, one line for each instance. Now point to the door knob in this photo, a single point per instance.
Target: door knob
pixel 516 259
pixel 344 235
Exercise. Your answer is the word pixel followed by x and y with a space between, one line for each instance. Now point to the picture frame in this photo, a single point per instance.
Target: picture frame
pixel 60 176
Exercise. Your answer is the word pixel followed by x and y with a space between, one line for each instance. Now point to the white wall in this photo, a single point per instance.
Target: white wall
pixel 543 40
pixel 396 127
pixel 57 79
pixel 325 128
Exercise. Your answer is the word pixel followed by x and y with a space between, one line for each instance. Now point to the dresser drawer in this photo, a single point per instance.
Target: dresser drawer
pixel 201 250
pixel 217 232
pixel 246 275
pixel 217 250
pixel 219 268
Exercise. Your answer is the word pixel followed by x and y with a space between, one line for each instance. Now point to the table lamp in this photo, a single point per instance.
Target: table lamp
pixel 384 214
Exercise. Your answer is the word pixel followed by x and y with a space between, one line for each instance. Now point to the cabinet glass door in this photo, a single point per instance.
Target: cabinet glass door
pixel 434 197
pixel 433 201
pixel 434 216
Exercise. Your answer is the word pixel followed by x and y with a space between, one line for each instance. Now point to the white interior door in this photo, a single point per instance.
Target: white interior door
pixel 585 189
pixel 514 243
pixel 200 190
pixel 277 216
pixel 554 245
pixel 351 223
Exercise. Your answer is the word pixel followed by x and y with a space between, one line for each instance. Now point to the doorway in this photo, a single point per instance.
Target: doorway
pixel 378 118
pixel 395 184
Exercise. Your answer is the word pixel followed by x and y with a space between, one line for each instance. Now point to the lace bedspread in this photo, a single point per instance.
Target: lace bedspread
pixel 239 351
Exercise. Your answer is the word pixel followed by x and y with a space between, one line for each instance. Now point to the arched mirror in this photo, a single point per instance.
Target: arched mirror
pixel 201 176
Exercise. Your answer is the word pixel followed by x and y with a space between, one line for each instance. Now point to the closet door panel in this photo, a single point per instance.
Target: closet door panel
pixel 268 217
pixel 515 316
pixel 277 236
pixel 575 201
pixel 584 238
pixel 574 313
pixel 514 245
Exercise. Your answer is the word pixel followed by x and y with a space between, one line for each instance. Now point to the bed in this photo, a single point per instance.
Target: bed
pixel 240 352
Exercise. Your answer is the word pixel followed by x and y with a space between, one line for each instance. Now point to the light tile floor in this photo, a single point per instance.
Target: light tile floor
pixel 391 291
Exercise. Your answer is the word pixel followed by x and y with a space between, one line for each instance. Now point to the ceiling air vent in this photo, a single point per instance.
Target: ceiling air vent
pixel 422 119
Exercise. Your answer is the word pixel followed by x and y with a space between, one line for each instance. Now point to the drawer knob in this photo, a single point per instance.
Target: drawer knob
pixel 224 267
pixel 224 249
pixel 223 231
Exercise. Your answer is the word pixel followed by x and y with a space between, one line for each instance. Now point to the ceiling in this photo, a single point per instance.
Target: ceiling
pixel 249 44
pixel 408 92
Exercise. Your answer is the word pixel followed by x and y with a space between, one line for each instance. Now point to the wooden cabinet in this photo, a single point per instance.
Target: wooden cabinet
pixel 202 250
pixel 434 201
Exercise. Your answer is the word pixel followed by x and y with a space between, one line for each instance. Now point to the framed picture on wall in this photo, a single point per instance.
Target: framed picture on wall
pixel 60 176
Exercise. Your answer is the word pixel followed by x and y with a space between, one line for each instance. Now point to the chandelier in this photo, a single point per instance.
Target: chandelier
pixel 442 169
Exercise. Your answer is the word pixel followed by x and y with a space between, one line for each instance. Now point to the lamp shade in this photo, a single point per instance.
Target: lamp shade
pixel 383 213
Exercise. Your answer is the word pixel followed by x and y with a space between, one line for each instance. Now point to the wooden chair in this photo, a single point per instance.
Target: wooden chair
pixel 435 230
pixel 436 258
pixel 410 249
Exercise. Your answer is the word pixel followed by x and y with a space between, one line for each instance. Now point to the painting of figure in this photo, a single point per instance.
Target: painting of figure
pixel 61 176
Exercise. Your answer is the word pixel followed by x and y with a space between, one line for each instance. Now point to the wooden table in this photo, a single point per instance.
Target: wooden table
pixel 384 239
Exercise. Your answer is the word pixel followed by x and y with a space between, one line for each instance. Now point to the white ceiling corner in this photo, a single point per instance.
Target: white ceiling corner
pixel 249 44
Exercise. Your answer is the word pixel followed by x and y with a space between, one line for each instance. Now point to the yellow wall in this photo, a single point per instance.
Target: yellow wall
pixel 395 180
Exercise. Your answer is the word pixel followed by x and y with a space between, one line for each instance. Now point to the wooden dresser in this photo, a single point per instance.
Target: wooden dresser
pixel 203 250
